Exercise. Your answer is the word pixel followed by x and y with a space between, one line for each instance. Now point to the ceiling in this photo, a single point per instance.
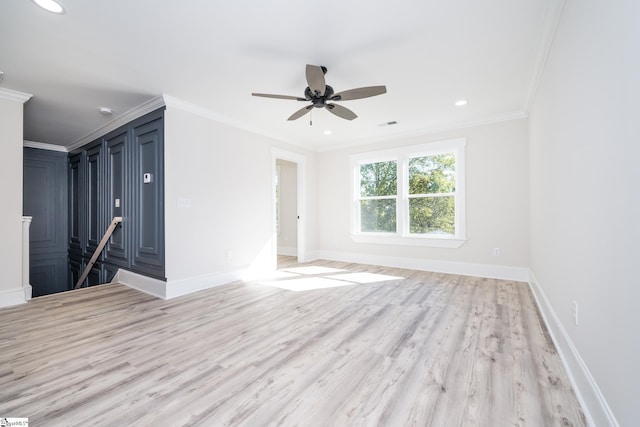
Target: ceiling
pixel 213 54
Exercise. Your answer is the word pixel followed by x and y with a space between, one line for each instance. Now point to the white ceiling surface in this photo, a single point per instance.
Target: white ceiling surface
pixel 213 54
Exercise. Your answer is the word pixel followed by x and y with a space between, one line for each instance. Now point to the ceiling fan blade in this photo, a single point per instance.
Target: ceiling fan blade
pixel 268 95
pixel 359 93
pixel 340 111
pixel 315 79
pixel 301 112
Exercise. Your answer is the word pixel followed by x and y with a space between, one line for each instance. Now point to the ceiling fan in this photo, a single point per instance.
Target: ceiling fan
pixel 321 95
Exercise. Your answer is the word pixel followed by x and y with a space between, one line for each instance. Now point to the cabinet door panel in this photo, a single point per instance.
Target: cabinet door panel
pixel 94 222
pixel 75 205
pixel 45 200
pixel 75 270
pixel 117 199
pixel 95 275
pixel 148 182
pixel 48 275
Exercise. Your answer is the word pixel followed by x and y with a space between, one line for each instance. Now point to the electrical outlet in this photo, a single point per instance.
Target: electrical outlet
pixel 574 312
pixel 496 251
pixel 228 255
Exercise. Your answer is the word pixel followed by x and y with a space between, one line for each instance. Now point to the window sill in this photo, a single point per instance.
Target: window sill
pixel 433 242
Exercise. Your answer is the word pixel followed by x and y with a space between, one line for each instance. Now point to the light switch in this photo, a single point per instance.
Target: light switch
pixel 184 203
pixel 117 203
pixel 146 178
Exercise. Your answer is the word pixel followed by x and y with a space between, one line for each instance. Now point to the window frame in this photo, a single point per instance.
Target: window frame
pixel 360 198
pixel 401 155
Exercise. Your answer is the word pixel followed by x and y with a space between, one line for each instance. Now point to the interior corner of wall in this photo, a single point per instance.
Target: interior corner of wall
pixel 148 285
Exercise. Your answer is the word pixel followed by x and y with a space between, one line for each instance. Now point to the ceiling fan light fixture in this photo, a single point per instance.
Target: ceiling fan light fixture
pixel 461 102
pixel 50 6
pixel 321 95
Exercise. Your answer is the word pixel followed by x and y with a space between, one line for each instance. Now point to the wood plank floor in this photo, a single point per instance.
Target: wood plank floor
pixel 362 345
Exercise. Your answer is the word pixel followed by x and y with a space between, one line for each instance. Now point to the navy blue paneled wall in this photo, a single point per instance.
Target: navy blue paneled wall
pixel 120 174
pixel 45 200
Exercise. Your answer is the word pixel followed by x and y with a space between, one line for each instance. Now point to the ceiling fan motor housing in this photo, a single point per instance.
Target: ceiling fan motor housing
pixel 319 101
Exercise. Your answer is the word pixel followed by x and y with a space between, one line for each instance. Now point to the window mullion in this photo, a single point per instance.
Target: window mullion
pixel 403 201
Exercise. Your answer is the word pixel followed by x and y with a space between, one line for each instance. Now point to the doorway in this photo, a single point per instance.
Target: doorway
pixel 286 208
pixel 288 205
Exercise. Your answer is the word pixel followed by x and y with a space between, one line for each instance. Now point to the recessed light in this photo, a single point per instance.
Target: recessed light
pixel 327 132
pixel 461 103
pixel 105 110
pixel 50 6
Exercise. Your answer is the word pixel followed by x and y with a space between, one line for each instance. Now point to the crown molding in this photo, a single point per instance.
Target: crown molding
pixel 14 95
pixel 139 111
pixel 550 26
pixel 173 102
pixel 44 146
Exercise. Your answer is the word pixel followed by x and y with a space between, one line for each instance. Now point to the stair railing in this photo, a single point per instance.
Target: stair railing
pixel 114 223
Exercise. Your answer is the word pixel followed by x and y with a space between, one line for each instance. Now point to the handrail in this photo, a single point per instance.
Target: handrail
pixel 116 220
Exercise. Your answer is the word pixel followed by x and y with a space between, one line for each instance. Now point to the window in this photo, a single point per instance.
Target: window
pixel 411 195
pixel 378 194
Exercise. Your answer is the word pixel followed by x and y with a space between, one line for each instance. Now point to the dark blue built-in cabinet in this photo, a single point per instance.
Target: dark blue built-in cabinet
pixel 45 200
pixel 120 174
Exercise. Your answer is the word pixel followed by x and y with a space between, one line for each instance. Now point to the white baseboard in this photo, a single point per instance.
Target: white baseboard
pixel 13 296
pixel 155 287
pixel 520 274
pixel 287 250
pixel 593 403
pixel 177 288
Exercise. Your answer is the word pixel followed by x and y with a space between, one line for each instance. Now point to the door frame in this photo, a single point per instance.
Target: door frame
pixel 300 162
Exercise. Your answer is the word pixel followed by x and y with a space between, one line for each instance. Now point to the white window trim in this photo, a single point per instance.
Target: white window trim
pixel 401 156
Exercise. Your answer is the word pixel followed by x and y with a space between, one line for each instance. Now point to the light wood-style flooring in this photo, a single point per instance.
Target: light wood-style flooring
pixel 361 345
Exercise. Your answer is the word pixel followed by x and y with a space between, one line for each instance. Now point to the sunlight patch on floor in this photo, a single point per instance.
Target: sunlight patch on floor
pixel 313 270
pixel 307 284
pixel 269 275
pixel 289 278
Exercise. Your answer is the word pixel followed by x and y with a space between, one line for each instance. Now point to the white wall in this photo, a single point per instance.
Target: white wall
pixel 585 204
pixel 288 227
pixel 11 118
pixel 497 205
pixel 223 173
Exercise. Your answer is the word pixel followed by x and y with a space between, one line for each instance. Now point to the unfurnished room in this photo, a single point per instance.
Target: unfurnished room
pixel 296 213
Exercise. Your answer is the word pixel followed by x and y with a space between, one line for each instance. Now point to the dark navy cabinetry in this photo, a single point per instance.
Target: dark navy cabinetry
pixel 94 176
pixel 120 174
pixel 75 207
pixel 45 200
pixel 148 193
pixel 119 194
